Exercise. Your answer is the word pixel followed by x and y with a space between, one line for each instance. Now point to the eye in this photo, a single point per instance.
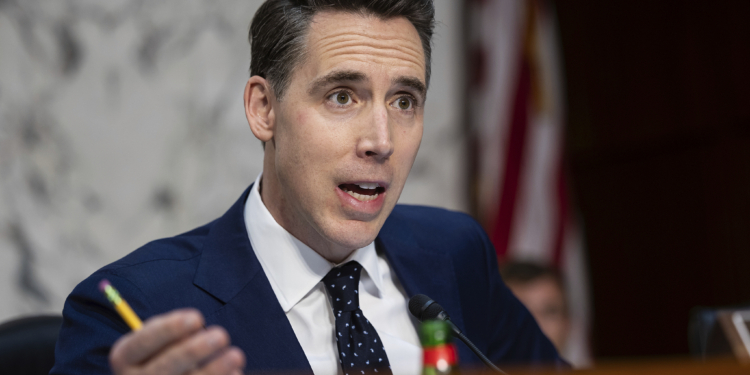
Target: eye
pixel 341 98
pixel 404 103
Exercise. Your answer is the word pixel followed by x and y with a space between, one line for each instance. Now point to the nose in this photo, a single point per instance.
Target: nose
pixel 375 141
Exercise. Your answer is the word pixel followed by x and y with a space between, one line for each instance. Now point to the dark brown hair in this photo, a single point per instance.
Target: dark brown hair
pixel 279 28
pixel 525 272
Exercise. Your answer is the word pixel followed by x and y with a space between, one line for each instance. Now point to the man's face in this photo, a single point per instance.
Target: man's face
pixel 546 302
pixel 346 131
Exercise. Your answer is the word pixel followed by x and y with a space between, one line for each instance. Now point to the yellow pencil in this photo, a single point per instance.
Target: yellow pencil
pixel 122 307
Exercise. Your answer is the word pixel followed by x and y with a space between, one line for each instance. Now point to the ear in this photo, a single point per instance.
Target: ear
pixel 259 109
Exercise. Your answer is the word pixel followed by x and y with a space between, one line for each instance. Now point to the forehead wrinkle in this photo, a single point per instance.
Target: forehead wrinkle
pixel 383 50
pixel 326 44
pixel 377 56
pixel 345 39
pixel 333 43
pixel 415 56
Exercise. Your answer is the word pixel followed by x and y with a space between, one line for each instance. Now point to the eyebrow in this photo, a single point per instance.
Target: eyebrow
pixel 414 83
pixel 336 77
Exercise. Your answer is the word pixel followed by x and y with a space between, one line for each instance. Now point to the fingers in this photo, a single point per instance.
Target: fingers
pixel 230 362
pixel 175 343
pixel 157 333
pixel 190 353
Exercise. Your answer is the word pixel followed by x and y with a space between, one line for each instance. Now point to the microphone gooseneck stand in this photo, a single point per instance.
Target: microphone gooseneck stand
pixel 424 308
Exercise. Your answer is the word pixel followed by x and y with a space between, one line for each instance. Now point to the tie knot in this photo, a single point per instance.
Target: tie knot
pixel 342 284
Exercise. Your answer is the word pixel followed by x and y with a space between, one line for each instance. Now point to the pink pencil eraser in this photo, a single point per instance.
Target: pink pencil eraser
pixel 103 284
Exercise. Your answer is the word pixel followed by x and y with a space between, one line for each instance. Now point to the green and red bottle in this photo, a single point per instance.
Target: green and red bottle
pixel 440 356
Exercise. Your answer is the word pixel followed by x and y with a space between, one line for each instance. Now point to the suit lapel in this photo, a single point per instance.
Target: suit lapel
pixel 422 271
pixel 230 271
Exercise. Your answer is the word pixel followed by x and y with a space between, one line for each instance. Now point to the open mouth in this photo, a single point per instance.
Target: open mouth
pixel 363 191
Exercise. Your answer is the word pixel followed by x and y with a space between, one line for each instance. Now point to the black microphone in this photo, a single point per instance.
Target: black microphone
pixel 424 308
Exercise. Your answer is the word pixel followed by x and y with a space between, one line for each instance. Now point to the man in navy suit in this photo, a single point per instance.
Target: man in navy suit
pixel 337 97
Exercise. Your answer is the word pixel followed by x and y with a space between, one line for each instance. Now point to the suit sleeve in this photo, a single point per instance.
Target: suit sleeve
pixel 91 326
pixel 515 336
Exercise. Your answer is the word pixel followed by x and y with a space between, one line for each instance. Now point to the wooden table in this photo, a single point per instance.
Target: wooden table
pixel 670 366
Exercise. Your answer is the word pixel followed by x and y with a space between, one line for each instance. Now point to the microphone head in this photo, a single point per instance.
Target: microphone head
pixel 424 308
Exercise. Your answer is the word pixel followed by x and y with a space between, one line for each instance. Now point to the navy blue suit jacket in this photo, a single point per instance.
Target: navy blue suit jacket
pixel 443 254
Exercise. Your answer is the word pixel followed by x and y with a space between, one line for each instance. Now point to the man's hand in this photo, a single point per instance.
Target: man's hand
pixel 176 343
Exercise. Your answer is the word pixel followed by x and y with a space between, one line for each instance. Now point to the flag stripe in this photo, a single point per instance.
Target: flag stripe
pixel 501 228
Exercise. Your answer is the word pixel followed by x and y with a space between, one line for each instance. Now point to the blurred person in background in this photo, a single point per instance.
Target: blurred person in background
pixel 541 290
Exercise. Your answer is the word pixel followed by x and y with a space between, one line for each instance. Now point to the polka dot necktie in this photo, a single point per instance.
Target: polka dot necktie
pixel 360 349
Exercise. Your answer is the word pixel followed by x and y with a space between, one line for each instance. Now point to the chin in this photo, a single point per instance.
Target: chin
pixel 353 234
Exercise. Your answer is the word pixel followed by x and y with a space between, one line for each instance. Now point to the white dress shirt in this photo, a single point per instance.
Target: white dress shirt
pixel 295 272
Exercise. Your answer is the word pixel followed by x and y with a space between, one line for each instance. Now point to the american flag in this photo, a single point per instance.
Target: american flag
pixel 517 116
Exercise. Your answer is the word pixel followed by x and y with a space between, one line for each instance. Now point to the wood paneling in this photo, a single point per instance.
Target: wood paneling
pixel 659 152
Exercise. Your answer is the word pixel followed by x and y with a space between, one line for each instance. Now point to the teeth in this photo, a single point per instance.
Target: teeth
pixel 361 197
pixel 368 185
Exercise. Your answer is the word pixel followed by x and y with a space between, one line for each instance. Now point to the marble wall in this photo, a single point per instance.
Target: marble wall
pixel 121 121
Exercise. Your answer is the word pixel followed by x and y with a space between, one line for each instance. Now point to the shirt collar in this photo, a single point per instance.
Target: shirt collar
pixel 293 268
